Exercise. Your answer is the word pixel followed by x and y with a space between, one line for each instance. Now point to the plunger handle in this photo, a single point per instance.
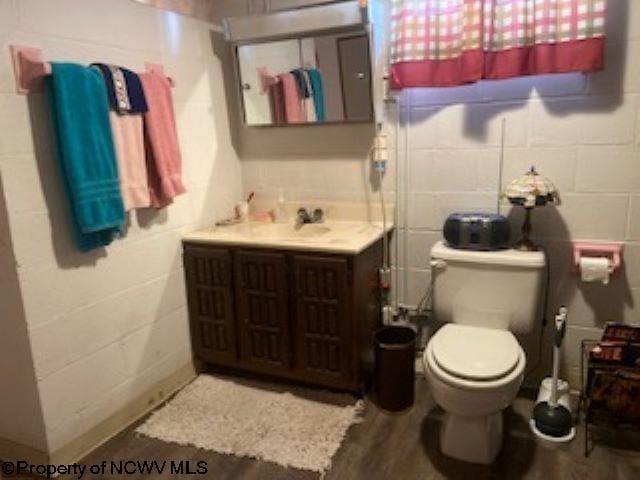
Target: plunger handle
pixel 561 326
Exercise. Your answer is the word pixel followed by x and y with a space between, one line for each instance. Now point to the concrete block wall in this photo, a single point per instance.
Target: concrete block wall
pixel 20 410
pixel 106 327
pixel 583 132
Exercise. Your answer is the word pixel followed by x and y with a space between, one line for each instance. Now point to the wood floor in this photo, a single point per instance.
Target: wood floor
pixel 406 447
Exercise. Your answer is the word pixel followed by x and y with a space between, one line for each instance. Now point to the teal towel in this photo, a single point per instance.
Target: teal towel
pixel 86 154
pixel 315 77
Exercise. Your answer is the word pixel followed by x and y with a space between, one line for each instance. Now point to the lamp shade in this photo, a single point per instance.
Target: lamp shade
pixel 531 190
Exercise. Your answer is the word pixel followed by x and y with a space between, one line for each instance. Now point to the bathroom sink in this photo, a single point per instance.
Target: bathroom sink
pixel 331 236
pixel 275 230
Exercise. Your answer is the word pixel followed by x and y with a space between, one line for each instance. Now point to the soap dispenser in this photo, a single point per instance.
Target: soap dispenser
pixel 280 212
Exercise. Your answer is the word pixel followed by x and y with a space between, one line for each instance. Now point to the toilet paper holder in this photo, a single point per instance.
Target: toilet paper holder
pixel 611 250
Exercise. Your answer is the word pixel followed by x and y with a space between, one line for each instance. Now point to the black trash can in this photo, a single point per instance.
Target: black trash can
pixel 394 376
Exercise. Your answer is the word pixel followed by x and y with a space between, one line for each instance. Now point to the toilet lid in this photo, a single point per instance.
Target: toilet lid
pixel 475 353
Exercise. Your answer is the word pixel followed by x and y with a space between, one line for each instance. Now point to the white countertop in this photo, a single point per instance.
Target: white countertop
pixel 334 236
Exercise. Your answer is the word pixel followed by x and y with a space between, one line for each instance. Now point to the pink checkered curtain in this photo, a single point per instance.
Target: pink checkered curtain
pixel 440 43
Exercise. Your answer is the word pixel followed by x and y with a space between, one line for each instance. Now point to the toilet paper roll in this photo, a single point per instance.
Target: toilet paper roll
pixel 595 269
pixel 380 141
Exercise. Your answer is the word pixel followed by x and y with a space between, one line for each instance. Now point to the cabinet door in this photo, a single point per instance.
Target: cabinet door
pixel 262 310
pixel 355 77
pixel 322 327
pixel 208 274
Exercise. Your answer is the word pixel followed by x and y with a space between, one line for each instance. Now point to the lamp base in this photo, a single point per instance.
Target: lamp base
pixel 525 245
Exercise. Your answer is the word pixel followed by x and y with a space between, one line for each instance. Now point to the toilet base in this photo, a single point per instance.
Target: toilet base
pixel 472 439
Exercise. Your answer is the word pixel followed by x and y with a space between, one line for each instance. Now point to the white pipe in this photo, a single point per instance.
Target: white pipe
pixel 383 206
pixel 501 165
pixel 396 210
pixel 405 213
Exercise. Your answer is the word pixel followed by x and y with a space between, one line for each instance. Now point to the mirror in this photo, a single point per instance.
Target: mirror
pixel 309 80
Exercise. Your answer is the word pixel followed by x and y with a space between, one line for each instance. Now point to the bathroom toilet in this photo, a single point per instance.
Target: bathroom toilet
pixel 474 364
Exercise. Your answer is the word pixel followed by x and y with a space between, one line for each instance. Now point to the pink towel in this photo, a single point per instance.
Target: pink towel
pixel 132 168
pixel 292 99
pixel 266 79
pixel 308 102
pixel 164 162
pixel 272 86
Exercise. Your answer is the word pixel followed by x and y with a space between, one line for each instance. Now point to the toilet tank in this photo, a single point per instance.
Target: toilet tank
pixel 499 289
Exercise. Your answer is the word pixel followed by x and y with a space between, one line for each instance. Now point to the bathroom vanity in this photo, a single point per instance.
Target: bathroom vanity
pixel 299 303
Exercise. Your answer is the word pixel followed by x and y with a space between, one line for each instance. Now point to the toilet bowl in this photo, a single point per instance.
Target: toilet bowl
pixel 474 364
pixel 474 373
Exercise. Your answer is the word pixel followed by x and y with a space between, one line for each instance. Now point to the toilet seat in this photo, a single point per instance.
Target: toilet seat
pixel 458 382
pixel 475 353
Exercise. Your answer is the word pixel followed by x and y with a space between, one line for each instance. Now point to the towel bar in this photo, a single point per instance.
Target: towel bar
pixel 29 68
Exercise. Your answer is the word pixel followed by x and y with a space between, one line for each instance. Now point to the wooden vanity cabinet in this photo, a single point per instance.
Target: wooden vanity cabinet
pixel 301 316
pixel 262 310
pixel 208 273
pixel 322 317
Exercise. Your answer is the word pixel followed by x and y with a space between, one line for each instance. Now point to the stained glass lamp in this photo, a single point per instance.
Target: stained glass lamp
pixel 530 191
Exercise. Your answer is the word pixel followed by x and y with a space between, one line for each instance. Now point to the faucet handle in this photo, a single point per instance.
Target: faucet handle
pixel 303 215
pixel 318 215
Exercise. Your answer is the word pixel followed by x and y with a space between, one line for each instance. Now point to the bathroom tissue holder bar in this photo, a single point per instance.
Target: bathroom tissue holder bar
pixel 613 251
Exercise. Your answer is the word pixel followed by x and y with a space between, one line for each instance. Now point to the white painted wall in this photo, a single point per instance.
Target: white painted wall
pixel 21 421
pixel 582 132
pixel 104 327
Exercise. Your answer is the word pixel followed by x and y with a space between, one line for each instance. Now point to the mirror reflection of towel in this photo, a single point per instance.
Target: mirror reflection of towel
pixel 306 95
pixel 309 103
pixel 318 93
pixel 266 79
pixel 303 87
pixel 292 99
pixel 272 86
pixel 276 103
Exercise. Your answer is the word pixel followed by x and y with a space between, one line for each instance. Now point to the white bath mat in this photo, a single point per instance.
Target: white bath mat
pixel 293 427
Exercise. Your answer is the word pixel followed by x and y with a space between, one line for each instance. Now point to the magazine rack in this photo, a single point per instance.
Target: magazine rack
pixel 610 393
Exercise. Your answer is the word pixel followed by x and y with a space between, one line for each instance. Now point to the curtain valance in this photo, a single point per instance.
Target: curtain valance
pixel 437 43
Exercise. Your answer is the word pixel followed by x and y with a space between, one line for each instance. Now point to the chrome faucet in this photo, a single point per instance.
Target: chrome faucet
pixel 303 216
pixel 317 216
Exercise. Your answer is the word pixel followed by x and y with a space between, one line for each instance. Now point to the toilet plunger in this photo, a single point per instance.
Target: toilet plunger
pixel 552 419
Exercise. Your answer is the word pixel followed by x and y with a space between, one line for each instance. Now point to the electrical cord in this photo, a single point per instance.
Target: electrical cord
pixel 545 307
pixel 424 305
pixel 385 239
